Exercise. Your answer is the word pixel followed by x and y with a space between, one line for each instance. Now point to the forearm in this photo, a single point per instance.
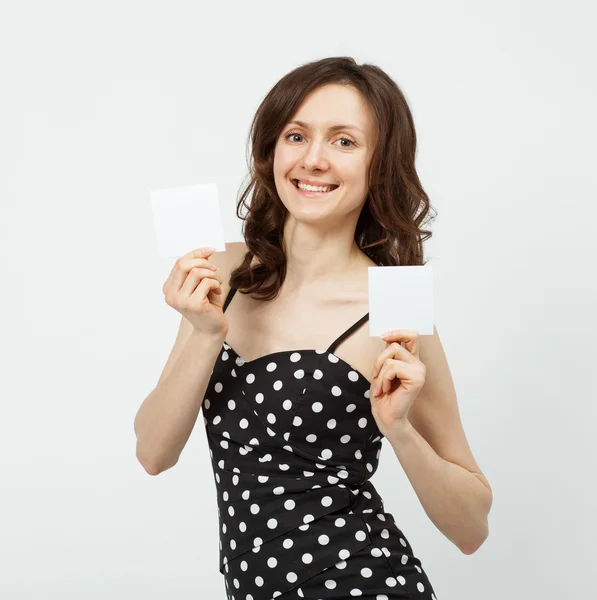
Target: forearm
pixel 455 499
pixel 167 416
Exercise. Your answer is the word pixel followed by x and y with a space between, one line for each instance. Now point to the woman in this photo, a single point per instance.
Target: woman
pixel 294 423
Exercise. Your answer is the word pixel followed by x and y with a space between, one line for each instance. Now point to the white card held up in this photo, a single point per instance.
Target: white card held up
pixel 186 218
pixel 401 298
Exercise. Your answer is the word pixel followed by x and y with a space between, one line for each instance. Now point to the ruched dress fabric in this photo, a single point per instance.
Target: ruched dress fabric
pixel 293 445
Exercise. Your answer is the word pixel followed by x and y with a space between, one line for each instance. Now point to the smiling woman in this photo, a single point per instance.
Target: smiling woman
pixel 295 423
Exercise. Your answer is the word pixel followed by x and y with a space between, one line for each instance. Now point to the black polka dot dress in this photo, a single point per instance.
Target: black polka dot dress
pixel 293 445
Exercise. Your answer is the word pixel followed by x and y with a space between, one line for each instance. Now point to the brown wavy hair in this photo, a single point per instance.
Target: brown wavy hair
pixel 388 230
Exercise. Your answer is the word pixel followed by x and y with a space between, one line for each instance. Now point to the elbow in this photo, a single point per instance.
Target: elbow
pixel 472 545
pixel 151 466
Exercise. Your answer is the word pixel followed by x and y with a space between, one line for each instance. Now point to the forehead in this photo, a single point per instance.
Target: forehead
pixel 333 104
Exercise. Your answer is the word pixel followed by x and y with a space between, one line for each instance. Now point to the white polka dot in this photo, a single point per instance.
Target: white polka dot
pixel 353 376
pixel 323 539
pixel 390 582
pixel 271 562
pixel 311 438
pixel 317 407
pixel 278 385
pixel 242 526
pixel 289 504
pixel 292 577
pixel 330 584
pixel 244 565
pixel 344 554
pixel 366 572
pixel 259 581
pixel 331 423
pixel 217 419
pixel 308 518
pixel 307 558
pixel 326 501
pixel 345 439
pixel 218 387
pixel 272 523
pixel 350 407
pixel 254 508
pixel 231 404
pixel 360 535
pixel 332 358
pixel 287 543
pixel 244 423
pixel 295 357
pixel 385 534
pixel 403 542
pixel 259 397
pixel 250 378
pixel 297 421
pixel 341 564
pixel 271 366
pixel 336 391
pixel 231 511
pixel 279 490
pixel 420 587
pixel 339 522
pixel 271 418
pixel 326 453
pixel 401 580
pixel 299 374
pixel 287 404
pixel 317 374
pixel 362 422
pixel 356 592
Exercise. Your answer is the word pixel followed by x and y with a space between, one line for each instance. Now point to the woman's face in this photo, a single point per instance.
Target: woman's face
pixel 314 152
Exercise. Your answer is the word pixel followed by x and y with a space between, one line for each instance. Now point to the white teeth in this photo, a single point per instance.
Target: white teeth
pixel 313 188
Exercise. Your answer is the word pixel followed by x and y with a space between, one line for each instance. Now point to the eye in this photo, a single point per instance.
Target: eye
pixel 345 138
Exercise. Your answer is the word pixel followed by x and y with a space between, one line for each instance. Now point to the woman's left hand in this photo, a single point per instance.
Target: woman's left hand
pixel 398 376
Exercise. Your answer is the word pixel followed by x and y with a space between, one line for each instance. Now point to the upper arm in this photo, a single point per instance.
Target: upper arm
pixel 225 262
pixel 434 413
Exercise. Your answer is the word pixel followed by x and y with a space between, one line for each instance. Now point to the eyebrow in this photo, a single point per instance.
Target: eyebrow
pixel 332 128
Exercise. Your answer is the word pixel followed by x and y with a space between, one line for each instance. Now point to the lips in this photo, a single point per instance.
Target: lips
pixel 332 185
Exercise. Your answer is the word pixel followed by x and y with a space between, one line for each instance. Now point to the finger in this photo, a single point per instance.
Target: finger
pixel 410 337
pixel 201 292
pixel 394 369
pixel 183 264
pixel 394 350
pixel 184 267
pixel 195 276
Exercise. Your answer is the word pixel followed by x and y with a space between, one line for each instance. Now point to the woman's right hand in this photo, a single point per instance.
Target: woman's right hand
pixel 193 289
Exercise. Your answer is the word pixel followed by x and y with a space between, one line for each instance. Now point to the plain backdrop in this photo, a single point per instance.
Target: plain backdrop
pixel 101 102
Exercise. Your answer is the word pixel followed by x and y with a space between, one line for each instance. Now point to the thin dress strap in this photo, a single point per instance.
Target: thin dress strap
pixel 352 328
pixel 229 298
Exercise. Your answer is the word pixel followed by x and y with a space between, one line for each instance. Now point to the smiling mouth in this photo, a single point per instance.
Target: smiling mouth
pixel 296 181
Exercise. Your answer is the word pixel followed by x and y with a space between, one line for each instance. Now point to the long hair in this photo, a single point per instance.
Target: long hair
pixel 388 230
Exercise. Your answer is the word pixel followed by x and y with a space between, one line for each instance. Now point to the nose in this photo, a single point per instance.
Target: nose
pixel 315 157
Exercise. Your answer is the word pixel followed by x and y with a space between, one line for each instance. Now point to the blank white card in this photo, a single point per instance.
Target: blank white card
pixel 186 218
pixel 401 298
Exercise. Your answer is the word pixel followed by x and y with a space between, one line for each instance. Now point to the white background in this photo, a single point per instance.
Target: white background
pixel 102 101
